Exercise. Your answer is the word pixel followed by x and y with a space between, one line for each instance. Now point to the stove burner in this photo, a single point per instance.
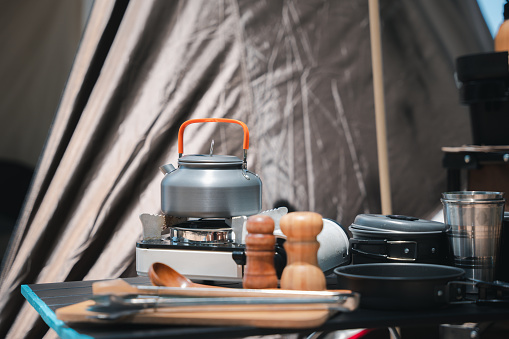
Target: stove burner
pixel 203 231
pixel 204 224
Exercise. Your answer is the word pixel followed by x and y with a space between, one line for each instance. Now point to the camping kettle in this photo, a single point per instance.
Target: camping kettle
pixel 209 185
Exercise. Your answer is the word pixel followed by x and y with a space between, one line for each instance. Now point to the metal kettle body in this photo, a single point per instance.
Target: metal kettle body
pixel 210 186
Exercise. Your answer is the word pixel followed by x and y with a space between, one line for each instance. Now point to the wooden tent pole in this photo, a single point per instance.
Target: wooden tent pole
pixel 378 87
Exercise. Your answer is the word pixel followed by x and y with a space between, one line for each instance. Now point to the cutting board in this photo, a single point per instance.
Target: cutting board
pixel 270 318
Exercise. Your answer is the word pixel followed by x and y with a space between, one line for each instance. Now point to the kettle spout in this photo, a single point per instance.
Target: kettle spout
pixel 167 168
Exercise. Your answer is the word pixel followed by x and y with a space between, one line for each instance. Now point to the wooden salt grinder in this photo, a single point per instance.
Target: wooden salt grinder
pixel 302 271
pixel 260 249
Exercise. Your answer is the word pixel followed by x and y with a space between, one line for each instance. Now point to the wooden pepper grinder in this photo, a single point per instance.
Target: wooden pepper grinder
pixel 302 271
pixel 260 249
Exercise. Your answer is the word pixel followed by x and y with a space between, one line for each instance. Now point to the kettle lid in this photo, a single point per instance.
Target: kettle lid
pixel 397 223
pixel 210 159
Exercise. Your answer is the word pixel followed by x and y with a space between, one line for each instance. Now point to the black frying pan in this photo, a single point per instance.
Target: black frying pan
pixel 403 286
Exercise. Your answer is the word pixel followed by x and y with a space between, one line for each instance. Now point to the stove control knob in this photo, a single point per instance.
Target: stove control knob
pixel 239 257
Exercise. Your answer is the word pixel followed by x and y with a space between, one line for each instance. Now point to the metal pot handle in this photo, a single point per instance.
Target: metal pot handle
pixel 245 145
pixel 407 249
pixel 488 292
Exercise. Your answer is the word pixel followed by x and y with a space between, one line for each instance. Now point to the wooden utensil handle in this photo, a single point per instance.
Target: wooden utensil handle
pixel 122 287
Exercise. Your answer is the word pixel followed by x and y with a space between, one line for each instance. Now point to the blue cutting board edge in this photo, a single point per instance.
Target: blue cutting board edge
pixel 49 316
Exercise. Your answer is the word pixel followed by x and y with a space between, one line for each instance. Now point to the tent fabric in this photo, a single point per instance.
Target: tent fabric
pixel 298 73
pixel 39 42
pixel 35 36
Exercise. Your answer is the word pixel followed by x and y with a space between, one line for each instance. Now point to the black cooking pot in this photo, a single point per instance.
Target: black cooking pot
pixel 398 238
pixel 403 286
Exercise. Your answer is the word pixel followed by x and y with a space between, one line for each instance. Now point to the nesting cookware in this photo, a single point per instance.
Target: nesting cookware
pixel 411 286
pixel 403 286
pixel 397 238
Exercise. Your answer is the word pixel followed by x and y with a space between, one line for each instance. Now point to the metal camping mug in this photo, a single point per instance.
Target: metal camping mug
pixel 475 219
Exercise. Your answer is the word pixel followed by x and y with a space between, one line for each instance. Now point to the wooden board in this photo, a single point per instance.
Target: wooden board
pixel 307 318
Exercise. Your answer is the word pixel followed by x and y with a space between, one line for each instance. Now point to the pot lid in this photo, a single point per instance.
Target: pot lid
pixel 397 223
pixel 210 159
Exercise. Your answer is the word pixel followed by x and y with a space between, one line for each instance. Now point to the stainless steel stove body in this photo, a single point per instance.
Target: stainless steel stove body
pixel 203 249
pixel 217 262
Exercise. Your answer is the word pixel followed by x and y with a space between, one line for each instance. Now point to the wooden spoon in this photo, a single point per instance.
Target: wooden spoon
pixel 163 275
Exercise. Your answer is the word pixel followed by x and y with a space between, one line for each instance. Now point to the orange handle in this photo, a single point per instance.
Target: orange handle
pixel 188 122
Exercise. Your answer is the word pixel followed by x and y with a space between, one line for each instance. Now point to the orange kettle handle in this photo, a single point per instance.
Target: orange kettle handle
pixel 193 121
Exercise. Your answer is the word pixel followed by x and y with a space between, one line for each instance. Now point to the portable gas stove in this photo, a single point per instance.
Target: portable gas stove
pixel 201 249
pixel 189 236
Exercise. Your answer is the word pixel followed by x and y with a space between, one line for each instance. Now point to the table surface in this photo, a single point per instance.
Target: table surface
pixel 46 298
